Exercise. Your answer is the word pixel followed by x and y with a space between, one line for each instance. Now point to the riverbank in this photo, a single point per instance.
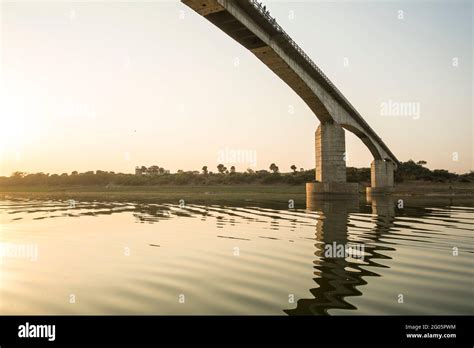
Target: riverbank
pixel 168 193
pixel 226 192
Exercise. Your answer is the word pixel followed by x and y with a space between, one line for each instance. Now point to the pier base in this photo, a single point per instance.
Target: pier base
pixel 331 188
pixel 379 190
pixel 381 175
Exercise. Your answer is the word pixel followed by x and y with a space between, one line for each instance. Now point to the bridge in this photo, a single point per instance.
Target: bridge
pixel 250 24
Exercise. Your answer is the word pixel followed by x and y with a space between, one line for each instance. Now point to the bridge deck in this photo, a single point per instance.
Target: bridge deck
pixel 224 20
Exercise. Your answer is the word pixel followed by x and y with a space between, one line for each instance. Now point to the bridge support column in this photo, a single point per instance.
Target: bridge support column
pixel 330 153
pixel 330 163
pixel 381 177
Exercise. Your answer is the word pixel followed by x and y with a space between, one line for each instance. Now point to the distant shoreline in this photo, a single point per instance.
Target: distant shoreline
pixel 412 188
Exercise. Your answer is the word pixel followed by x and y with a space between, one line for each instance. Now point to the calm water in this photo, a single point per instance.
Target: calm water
pixel 110 257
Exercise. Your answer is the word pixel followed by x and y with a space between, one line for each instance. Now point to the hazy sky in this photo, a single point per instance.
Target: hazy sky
pixel 110 85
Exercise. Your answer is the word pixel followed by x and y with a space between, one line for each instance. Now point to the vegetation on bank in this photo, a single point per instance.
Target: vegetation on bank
pixel 407 171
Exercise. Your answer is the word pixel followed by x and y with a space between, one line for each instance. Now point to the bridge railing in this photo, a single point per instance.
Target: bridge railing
pixel 266 14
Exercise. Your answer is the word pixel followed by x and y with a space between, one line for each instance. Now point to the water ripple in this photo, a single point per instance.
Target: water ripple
pixel 116 257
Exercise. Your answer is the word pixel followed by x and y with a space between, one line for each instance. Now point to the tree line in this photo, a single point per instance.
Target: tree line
pixel 409 170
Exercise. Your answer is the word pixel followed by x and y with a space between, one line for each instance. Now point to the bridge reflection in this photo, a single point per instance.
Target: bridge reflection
pixel 340 277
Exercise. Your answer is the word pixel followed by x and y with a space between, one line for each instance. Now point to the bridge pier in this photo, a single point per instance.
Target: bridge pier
pixel 330 163
pixel 381 177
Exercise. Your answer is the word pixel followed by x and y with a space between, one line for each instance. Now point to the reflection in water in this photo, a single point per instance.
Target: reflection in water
pixel 139 257
pixel 338 278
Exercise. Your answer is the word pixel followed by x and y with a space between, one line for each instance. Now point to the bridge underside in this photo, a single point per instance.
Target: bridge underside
pixel 247 24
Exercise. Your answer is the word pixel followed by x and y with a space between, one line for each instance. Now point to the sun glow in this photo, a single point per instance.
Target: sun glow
pixel 14 128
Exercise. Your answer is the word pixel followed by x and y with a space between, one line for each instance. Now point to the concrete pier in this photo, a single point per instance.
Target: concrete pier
pixel 381 177
pixel 330 153
pixel 330 163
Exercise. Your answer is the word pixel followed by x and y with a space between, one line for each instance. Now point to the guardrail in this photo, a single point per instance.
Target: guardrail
pixel 272 21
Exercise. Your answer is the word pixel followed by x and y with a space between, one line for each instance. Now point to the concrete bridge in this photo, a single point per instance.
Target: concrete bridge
pixel 247 22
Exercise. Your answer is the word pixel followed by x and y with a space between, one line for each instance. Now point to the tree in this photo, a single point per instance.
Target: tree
pixel 141 170
pixel 204 170
pixel 153 170
pixel 293 168
pixel 250 171
pixel 19 174
pixel 274 168
pixel 232 169
pixel 221 168
pixel 421 163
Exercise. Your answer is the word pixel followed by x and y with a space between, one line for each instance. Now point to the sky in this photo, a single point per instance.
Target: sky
pixel 111 85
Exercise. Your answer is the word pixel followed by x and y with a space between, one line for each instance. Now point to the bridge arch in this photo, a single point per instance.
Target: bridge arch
pixel 365 139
